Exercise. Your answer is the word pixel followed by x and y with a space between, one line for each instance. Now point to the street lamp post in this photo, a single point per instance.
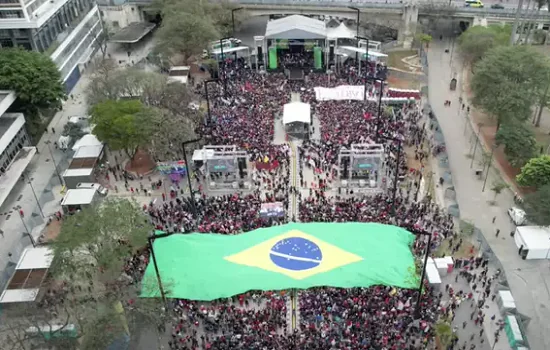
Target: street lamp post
pixel 488 167
pixel 357 31
pixel 396 178
pixel 21 215
pixel 421 285
pixel 475 146
pixel 151 240
pixel 233 19
pixel 367 54
pixel 193 206
pixel 48 142
pixel 223 61
pixel 29 181
pixel 207 98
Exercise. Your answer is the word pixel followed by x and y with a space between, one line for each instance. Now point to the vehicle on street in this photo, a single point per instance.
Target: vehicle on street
pixel 497 6
pixel 517 215
pixel 474 3
pixel 100 189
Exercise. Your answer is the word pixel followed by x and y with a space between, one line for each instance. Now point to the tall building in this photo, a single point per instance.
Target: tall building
pixel 67 30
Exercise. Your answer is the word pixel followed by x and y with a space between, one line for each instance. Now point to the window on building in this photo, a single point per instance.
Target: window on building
pixel 11 14
pixel 6 43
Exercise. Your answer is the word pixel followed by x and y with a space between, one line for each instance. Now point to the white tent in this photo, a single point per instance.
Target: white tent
pixel 296 27
pixel 87 140
pixel 506 301
pixel 229 50
pixel 363 50
pixel 534 241
pixel 296 112
pixel 341 32
pixel 433 275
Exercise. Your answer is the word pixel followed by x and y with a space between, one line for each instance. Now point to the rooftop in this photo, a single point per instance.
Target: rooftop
pixel 83 163
pixel 7 98
pixel 80 196
pixel 88 152
pixel 30 273
pixel 132 33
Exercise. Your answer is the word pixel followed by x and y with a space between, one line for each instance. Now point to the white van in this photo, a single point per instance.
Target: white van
pixel 100 189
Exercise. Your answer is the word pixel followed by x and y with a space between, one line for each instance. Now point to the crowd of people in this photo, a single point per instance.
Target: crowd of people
pixel 357 318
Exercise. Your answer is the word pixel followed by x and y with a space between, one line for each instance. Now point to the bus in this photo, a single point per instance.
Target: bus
pixel 53 331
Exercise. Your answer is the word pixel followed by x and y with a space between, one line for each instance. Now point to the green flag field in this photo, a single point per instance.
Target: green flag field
pixel 210 266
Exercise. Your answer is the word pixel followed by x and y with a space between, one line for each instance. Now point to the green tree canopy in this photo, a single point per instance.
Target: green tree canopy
pixel 537 206
pixel 519 143
pixel 536 173
pixel 35 79
pixel 90 253
pixel 187 28
pixel 172 120
pixel 507 82
pixel 477 40
pixel 123 125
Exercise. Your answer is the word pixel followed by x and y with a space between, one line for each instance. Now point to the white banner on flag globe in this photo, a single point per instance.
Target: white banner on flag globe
pixel 344 92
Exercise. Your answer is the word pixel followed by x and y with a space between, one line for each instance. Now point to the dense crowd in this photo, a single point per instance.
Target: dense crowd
pixel 357 318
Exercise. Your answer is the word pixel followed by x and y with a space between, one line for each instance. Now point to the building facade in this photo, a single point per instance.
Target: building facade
pixel 69 31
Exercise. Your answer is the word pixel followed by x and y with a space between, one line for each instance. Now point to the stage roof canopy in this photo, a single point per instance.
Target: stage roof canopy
pixel 341 32
pixel 363 50
pixel 296 112
pixel 296 27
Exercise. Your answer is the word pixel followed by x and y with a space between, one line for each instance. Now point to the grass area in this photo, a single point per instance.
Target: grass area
pixel 395 57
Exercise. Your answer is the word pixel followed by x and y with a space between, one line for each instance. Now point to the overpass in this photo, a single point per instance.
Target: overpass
pixel 401 16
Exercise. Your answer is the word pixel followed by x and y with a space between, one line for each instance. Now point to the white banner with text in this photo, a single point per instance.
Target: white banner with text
pixel 343 92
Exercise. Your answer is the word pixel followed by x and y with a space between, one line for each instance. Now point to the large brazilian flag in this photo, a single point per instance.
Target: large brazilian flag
pixel 211 266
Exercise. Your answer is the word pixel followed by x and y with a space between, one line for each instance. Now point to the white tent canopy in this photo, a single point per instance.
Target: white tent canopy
pixel 229 50
pixel 295 27
pixel 296 112
pixel 87 140
pixel 341 32
pixel 363 50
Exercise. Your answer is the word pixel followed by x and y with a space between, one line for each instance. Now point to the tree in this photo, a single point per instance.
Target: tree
pixel 90 255
pixel 36 80
pixel 507 80
pixel 123 125
pixel 187 29
pixel 519 143
pixel 537 206
pixel 536 173
pixel 425 39
pixel 171 119
pixel 497 189
pixel 444 332
pixel 477 40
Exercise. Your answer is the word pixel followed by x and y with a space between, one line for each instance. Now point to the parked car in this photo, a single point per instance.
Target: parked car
pixel 497 6
pixel 517 215
pixel 100 189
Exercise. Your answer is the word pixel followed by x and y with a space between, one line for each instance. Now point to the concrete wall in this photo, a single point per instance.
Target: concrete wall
pixel 116 17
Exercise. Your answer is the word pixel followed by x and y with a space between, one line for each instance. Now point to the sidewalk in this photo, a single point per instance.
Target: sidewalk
pixel 528 280
pixel 44 181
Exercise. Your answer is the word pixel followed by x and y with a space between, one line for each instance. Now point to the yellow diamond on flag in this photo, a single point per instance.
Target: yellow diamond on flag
pixel 294 254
